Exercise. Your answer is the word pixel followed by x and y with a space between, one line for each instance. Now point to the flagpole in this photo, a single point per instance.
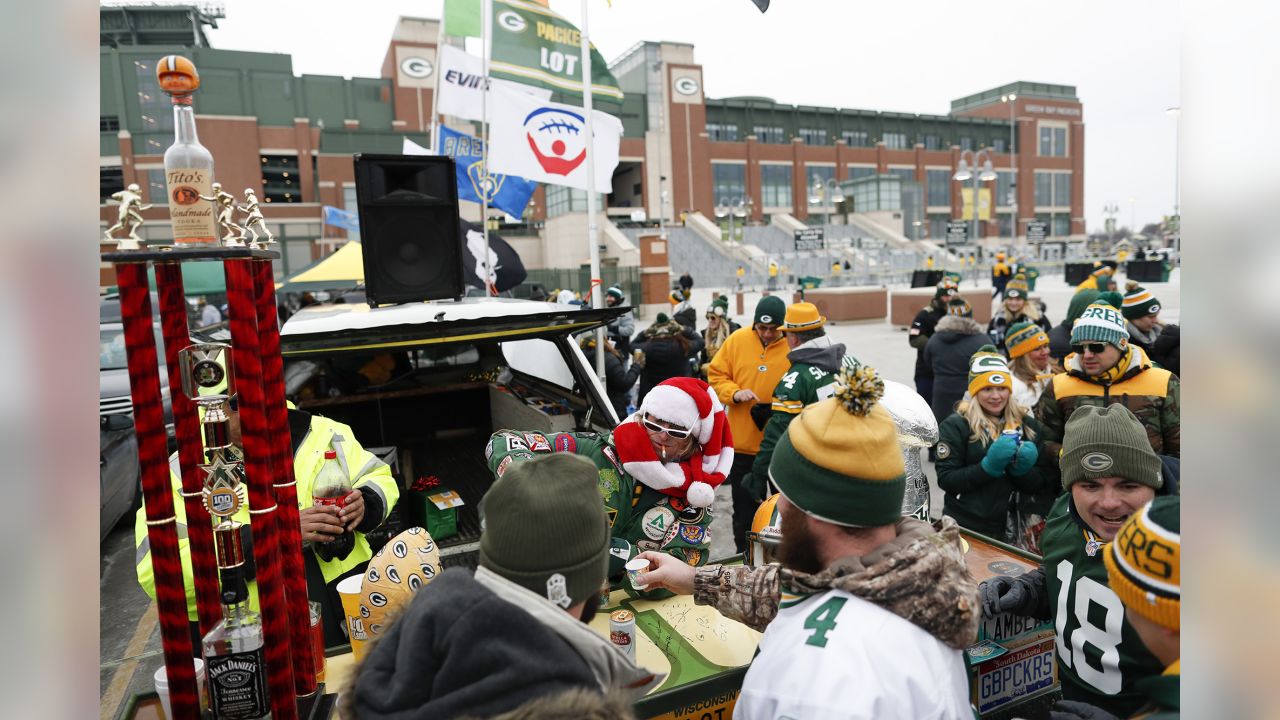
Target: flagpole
pixel 593 232
pixel 435 90
pixel 486 31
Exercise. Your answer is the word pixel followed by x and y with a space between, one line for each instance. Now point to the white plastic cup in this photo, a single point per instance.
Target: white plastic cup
pixel 161 679
pixel 634 568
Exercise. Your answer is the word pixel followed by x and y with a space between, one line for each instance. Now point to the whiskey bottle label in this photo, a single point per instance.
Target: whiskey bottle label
pixel 238 685
pixel 192 214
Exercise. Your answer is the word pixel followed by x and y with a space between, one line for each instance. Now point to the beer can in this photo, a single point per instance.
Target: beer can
pixel 622 631
pixel 1015 434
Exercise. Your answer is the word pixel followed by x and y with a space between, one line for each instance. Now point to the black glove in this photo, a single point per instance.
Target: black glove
pixel 760 413
pixel 754 488
pixel 1070 710
pixel 1021 595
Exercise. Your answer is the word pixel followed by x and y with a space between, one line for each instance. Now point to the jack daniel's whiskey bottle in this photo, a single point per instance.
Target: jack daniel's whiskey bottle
pixel 233 649
pixel 188 166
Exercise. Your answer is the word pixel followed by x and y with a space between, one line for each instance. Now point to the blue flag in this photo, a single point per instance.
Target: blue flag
pixel 338 217
pixel 508 193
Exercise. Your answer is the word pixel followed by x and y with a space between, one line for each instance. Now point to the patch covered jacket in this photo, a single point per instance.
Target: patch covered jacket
pixel 640 518
pixel 1151 393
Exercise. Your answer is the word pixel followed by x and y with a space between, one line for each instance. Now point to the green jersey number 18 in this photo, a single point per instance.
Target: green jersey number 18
pixel 1071 642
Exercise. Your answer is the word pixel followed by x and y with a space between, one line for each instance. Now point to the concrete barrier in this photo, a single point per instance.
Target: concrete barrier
pixel 904 304
pixel 844 304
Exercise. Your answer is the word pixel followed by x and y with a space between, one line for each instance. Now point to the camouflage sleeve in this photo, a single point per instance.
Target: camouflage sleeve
pixel 1049 413
pixel 748 595
pixel 1170 418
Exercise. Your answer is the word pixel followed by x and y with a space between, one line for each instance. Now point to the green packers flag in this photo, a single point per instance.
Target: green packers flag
pixel 535 46
pixel 462 18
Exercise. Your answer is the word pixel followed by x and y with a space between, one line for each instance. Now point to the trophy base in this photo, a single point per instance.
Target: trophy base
pixel 180 254
pixel 317 706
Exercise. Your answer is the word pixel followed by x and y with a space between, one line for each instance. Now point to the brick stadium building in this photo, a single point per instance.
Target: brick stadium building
pixel 291 139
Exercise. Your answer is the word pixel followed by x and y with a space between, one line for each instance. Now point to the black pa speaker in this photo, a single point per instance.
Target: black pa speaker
pixel 409 227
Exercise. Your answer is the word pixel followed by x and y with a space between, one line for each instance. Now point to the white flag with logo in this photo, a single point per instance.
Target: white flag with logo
pixel 461 80
pixel 547 142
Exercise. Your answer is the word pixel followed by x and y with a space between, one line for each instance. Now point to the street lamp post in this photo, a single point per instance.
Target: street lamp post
pixel 1176 112
pixel 821 192
pixel 733 207
pixel 978 169
pixel 1013 168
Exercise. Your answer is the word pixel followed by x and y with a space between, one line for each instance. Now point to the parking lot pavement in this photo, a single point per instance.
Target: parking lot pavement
pixel 129 636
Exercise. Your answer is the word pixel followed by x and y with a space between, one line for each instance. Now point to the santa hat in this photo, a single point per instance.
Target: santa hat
pixel 689 403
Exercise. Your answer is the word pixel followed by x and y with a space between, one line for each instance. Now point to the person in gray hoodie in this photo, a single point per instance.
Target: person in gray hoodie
pixel 955 339
pixel 516 631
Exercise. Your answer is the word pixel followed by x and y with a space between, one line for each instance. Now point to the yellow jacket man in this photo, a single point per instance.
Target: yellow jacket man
pixel 743 374
pixel 369 504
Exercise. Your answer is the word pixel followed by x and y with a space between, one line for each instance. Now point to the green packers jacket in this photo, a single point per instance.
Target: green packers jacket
pixel 814 366
pixel 640 518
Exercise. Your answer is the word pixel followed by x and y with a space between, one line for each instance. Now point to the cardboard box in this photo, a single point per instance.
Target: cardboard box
pixel 434 509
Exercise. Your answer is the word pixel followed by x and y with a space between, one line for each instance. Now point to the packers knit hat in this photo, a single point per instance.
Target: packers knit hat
pixel 988 368
pixel 770 310
pixel 802 316
pixel 1017 287
pixel 545 529
pixel 1107 442
pixel 946 290
pixel 1138 301
pixel 715 308
pixel 615 291
pixel 959 306
pixel 1101 322
pixel 839 460
pixel 1143 562
pixel 1023 337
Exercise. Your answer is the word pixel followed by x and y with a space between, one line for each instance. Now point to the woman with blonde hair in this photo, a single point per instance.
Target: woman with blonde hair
pixel 1030 362
pixel 987 449
pixel 718 329
pixel 1017 307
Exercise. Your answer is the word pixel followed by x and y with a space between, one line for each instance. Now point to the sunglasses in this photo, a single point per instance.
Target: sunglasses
pixel 676 433
pixel 1095 348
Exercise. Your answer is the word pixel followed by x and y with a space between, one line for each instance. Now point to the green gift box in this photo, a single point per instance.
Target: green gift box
pixel 434 509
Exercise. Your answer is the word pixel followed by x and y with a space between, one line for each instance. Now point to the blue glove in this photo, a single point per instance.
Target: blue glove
pixel 1024 459
pixel 999 455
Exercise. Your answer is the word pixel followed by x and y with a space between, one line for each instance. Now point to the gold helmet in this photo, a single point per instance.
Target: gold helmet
pixel 765 534
pixel 177 75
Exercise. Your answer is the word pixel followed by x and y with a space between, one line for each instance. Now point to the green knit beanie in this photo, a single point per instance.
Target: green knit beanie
pixel 1107 442
pixel 1138 302
pixel 770 310
pixel 1101 322
pixel 545 528
pixel 1079 302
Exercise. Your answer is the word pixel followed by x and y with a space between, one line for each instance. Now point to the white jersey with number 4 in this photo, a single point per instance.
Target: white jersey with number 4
pixel 834 655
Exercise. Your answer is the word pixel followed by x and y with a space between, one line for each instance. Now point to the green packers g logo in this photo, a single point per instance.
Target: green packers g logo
pixel 1096 462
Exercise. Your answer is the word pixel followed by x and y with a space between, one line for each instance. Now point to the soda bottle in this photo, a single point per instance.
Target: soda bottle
pixel 331 488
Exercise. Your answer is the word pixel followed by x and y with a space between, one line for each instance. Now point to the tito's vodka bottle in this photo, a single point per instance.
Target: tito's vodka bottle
pixel 233 656
pixel 188 166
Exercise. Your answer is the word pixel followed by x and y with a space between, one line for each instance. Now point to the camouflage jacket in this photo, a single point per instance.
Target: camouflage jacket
pixel 640 518
pixel 1151 393
pixel 919 576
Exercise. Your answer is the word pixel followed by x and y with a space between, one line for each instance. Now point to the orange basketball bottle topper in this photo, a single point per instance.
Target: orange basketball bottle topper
pixel 188 166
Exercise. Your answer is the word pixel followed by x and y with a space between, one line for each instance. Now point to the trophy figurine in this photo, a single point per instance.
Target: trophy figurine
pixel 129 219
pixel 225 202
pixel 253 219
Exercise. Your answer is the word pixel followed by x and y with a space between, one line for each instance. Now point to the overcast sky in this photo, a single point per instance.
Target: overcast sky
pixel 907 55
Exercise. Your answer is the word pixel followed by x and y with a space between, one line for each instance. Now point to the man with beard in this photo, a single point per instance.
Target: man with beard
pixel 515 632
pixel 868 611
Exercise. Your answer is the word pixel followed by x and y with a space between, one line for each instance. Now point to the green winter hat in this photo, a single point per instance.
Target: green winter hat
pixel 1017 287
pixel 959 306
pixel 770 310
pixel 1101 323
pixel 1138 301
pixel 988 368
pixel 1107 442
pixel 839 460
pixel 662 319
pixel 1079 302
pixel 545 529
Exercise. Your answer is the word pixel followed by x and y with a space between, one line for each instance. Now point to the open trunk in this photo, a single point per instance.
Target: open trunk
pixel 434 380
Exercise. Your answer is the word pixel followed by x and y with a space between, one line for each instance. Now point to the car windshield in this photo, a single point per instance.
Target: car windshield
pixel 111 353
